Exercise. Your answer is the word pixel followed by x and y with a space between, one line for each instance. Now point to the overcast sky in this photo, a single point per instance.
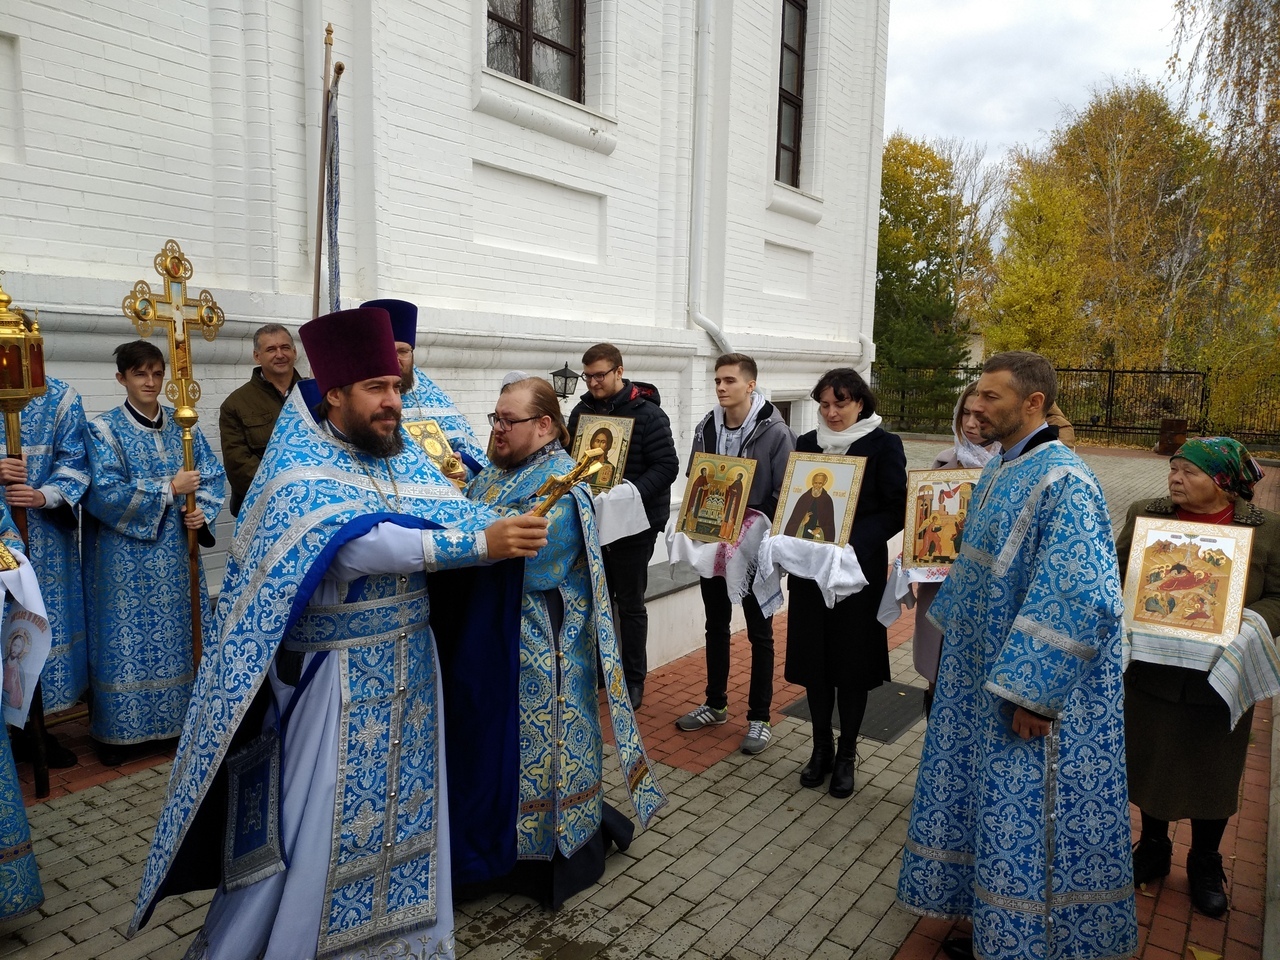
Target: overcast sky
pixel 1000 72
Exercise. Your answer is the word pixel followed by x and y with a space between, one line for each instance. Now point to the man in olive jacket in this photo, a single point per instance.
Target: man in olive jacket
pixel 652 466
pixel 247 417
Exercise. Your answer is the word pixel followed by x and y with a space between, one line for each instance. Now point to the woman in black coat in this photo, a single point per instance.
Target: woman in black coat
pixel 840 654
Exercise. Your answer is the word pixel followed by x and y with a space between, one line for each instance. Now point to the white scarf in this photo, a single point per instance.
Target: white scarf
pixel 970 454
pixel 834 442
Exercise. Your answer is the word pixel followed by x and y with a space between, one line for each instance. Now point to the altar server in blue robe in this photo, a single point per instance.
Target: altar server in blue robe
pixel 136 570
pixel 566 632
pixel 423 399
pixel 49 481
pixel 20 890
pixel 359 609
pixel 1021 813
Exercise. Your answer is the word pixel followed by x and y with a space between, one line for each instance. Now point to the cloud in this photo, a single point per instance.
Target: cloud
pixel 1001 72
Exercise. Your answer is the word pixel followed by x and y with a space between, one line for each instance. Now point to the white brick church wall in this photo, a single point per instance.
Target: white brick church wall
pixel 525 226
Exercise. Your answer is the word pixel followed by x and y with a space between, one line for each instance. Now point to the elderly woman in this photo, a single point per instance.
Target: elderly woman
pixel 840 654
pixel 1185 758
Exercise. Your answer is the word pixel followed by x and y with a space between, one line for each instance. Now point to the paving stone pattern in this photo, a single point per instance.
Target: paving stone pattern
pixel 744 863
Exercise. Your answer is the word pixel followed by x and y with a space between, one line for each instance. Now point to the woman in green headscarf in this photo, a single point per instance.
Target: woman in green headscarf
pixel 1185 755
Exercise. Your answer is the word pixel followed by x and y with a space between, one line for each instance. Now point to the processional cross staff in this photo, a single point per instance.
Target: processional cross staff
pixel 553 488
pixel 21 381
pixel 178 314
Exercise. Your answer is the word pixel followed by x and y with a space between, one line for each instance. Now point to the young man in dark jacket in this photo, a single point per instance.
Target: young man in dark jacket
pixel 652 466
pixel 745 424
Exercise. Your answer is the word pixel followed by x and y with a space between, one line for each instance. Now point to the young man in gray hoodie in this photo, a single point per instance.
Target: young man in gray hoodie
pixel 744 424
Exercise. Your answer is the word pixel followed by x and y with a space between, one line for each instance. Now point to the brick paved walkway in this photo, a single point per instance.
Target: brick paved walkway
pixel 744 863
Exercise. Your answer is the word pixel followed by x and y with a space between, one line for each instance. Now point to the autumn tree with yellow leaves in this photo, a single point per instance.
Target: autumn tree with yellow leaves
pixel 1105 257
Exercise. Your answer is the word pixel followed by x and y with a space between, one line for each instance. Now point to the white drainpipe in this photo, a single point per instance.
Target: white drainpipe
pixel 698 193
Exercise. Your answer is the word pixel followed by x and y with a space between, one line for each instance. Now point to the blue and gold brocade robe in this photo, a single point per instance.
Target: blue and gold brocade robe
pixel 561 745
pixel 20 890
pixel 137 576
pixel 1030 838
pixel 53 443
pixel 310 496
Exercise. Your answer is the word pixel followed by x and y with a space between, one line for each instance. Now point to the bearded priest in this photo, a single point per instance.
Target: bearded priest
pixel 359 609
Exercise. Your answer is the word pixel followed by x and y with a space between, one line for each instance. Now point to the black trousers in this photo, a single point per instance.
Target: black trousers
pixel 626 568
pixel 719 609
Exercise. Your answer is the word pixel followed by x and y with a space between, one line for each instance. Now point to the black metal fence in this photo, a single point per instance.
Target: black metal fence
pixel 1255 422
pixel 1117 406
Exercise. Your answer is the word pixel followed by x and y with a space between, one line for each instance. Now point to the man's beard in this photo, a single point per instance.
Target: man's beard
pixel 406 381
pixel 1001 428
pixel 505 461
pixel 512 457
pixel 364 438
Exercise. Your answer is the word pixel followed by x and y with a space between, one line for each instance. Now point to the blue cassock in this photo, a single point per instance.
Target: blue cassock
pixel 426 401
pixel 53 443
pixel 311 495
pixel 20 890
pixel 561 747
pixel 137 580
pixel 1028 837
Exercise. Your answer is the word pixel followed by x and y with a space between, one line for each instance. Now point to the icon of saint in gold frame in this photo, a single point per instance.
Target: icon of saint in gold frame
pixel 715 498
pixel 611 434
pixel 818 497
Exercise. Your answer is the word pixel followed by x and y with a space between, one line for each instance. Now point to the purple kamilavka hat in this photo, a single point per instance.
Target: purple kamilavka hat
pixel 349 346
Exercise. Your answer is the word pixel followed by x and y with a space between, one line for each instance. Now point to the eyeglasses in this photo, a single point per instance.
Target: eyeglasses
pixel 598 377
pixel 502 424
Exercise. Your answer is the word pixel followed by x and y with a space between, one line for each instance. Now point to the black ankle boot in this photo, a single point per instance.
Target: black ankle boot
pixel 1205 878
pixel 815 772
pixel 1152 857
pixel 842 769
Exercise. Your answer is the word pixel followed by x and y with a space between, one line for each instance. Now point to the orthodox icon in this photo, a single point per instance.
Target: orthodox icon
pixel 937 502
pixel 613 436
pixel 1187 579
pixel 818 497
pixel 715 498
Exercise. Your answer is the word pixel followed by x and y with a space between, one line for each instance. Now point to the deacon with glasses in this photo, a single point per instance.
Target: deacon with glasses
pixel 566 637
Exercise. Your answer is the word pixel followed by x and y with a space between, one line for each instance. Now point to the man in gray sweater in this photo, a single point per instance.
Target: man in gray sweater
pixel 744 424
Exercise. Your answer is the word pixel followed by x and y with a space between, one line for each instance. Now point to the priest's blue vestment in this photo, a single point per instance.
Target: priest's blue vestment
pixel 53 443
pixel 561 746
pixel 369 840
pixel 1030 838
pixel 20 890
pixel 136 574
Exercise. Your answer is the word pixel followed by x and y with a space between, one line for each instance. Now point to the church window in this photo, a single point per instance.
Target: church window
pixel 791 91
pixel 539 42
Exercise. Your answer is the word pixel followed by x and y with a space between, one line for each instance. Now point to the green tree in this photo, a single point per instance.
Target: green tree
pixel 921 213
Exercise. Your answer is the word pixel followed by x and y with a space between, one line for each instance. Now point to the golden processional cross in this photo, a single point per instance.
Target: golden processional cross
pixel 179 315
